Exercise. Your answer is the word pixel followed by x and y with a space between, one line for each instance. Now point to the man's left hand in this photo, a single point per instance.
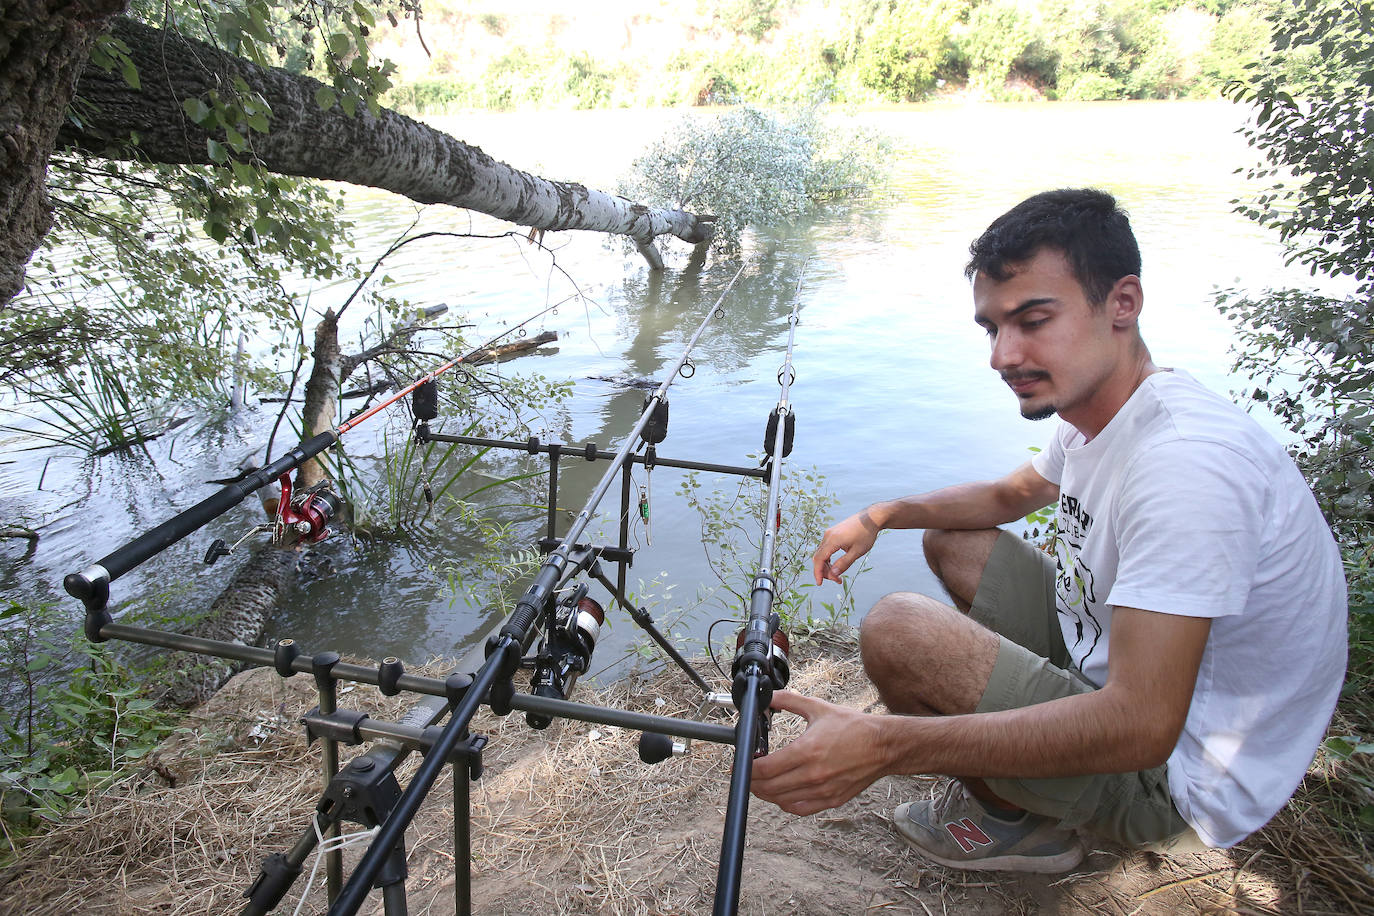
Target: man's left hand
pixel 838 756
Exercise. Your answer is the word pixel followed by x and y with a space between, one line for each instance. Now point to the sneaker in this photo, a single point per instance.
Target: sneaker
pixel 957 831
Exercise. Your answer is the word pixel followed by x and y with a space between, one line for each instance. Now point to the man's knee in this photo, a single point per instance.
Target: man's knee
pixel 924 656
pixel 958 558
pixel 901 627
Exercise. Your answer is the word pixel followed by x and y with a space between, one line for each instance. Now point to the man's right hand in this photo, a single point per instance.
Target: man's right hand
pixel 854 536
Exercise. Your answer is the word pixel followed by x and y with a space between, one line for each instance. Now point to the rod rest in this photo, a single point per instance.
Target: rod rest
pixel 614 554
pixel 340 725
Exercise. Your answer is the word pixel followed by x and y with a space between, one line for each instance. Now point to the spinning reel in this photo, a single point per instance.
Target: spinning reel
pixel 567 650
pixel 302 518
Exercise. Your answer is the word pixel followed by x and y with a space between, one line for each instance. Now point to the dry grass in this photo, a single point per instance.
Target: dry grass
pixel 569 821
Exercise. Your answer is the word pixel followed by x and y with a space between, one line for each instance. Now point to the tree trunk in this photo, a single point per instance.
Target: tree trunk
pixel 238 615
pixel 43 46
pixel 321 393
pixel 386 151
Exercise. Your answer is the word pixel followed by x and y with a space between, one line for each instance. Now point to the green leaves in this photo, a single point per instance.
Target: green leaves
pixel 751 167
pixel 196 110
pixel 80 719
pixel 110 54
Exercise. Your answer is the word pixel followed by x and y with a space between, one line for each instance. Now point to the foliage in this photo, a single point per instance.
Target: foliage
pixel 140 292
pixel 997 35
pixel 488 576
pixel 731 537
pixel 752 18
pixel 1313 354
pixel 1357 697
pixel 1240 37
pixel 910 48
pixel 80 718
pixel 763 52
pixel 750 167
pixel 1314 128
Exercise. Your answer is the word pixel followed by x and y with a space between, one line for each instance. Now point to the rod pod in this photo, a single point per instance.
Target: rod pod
pixel 505 650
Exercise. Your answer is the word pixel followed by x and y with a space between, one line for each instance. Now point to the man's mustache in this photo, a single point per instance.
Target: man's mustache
pixel 1023 375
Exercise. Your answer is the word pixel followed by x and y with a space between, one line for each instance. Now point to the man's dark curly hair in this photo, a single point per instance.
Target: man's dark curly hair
pixel 1084 224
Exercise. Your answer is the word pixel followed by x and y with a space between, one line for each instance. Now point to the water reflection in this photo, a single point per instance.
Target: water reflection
pixel 893 393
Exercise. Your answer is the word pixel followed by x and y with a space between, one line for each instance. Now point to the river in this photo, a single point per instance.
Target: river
pixel 893 393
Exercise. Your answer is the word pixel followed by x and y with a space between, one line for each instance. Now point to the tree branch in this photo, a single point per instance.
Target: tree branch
pixel 387 151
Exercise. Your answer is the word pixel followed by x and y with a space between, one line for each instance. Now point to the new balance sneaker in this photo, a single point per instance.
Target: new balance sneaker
pixel 957 831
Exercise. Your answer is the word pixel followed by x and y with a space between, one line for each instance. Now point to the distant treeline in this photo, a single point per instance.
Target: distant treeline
pixel 528 54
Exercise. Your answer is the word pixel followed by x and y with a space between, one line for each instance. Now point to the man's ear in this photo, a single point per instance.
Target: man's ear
pixel 1125 301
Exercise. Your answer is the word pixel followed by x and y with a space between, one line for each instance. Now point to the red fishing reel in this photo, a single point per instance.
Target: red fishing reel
pixel 303 518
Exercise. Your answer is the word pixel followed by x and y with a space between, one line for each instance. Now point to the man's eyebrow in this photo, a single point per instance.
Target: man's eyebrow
pixel 1030 304
pixel 1024 306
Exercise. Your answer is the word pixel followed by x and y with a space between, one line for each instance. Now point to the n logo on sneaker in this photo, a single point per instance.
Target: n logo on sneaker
pixel 968 835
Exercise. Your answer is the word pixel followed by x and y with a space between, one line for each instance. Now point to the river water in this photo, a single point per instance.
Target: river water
pixel 893 392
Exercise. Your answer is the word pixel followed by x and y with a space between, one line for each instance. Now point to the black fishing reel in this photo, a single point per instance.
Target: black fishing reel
pixel 769 658
pixel 567 650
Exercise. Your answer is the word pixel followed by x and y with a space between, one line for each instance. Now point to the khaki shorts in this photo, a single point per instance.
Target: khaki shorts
pixel 1016 599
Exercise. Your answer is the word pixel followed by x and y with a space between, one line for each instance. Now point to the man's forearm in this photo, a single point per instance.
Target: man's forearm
pixel 962 506
pixel 983 504
pixel 1089 733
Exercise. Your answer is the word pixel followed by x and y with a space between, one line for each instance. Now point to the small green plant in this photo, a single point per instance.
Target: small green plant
pixel 80 719
pixel 491 570
pixel 731 532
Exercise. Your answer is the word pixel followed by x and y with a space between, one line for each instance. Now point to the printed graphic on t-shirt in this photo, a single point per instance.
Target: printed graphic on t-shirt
pixel 1074 587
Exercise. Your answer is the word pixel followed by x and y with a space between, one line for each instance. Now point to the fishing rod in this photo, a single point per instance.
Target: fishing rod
pixel 306 516
pixel 760 665
pixel 492 681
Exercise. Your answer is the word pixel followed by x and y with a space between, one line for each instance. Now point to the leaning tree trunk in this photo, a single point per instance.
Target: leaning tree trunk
pixel 386 151
pixel 43 46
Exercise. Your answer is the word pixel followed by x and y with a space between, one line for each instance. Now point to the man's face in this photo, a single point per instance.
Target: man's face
pixel 1049 345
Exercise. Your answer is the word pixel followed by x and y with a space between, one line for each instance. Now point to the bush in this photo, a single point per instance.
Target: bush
pixel 1091 87
pixel 1239 39
pixel 750 167
pixel 910 48
pixel 998 34
pixel 432 96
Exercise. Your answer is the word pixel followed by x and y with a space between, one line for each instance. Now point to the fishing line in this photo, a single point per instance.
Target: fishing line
pixel 324 847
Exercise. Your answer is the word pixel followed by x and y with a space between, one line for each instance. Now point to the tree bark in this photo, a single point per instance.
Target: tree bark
pixel 43 46
pixel 239 614
pixel 321 393
pixel 387 151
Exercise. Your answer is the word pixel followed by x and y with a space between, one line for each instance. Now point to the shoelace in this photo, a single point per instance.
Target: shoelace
pixel 953 793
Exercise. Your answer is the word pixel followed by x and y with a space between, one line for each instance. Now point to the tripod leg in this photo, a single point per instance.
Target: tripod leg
pixel 278 873
pixel 462 842
pixel 646 623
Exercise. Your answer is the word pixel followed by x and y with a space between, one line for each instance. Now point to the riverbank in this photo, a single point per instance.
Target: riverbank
pixel 570 821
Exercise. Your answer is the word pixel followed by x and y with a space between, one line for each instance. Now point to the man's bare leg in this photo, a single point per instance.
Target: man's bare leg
pixel 958 559
pixel 925 657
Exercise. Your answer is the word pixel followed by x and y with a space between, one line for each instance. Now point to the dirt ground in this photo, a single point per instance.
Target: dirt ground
pixel 570 821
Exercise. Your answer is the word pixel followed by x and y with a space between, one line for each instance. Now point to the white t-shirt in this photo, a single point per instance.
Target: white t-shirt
pixel 1184 505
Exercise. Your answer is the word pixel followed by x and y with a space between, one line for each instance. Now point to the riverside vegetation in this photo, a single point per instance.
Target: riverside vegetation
pixel 494 56
pixel 1311 355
